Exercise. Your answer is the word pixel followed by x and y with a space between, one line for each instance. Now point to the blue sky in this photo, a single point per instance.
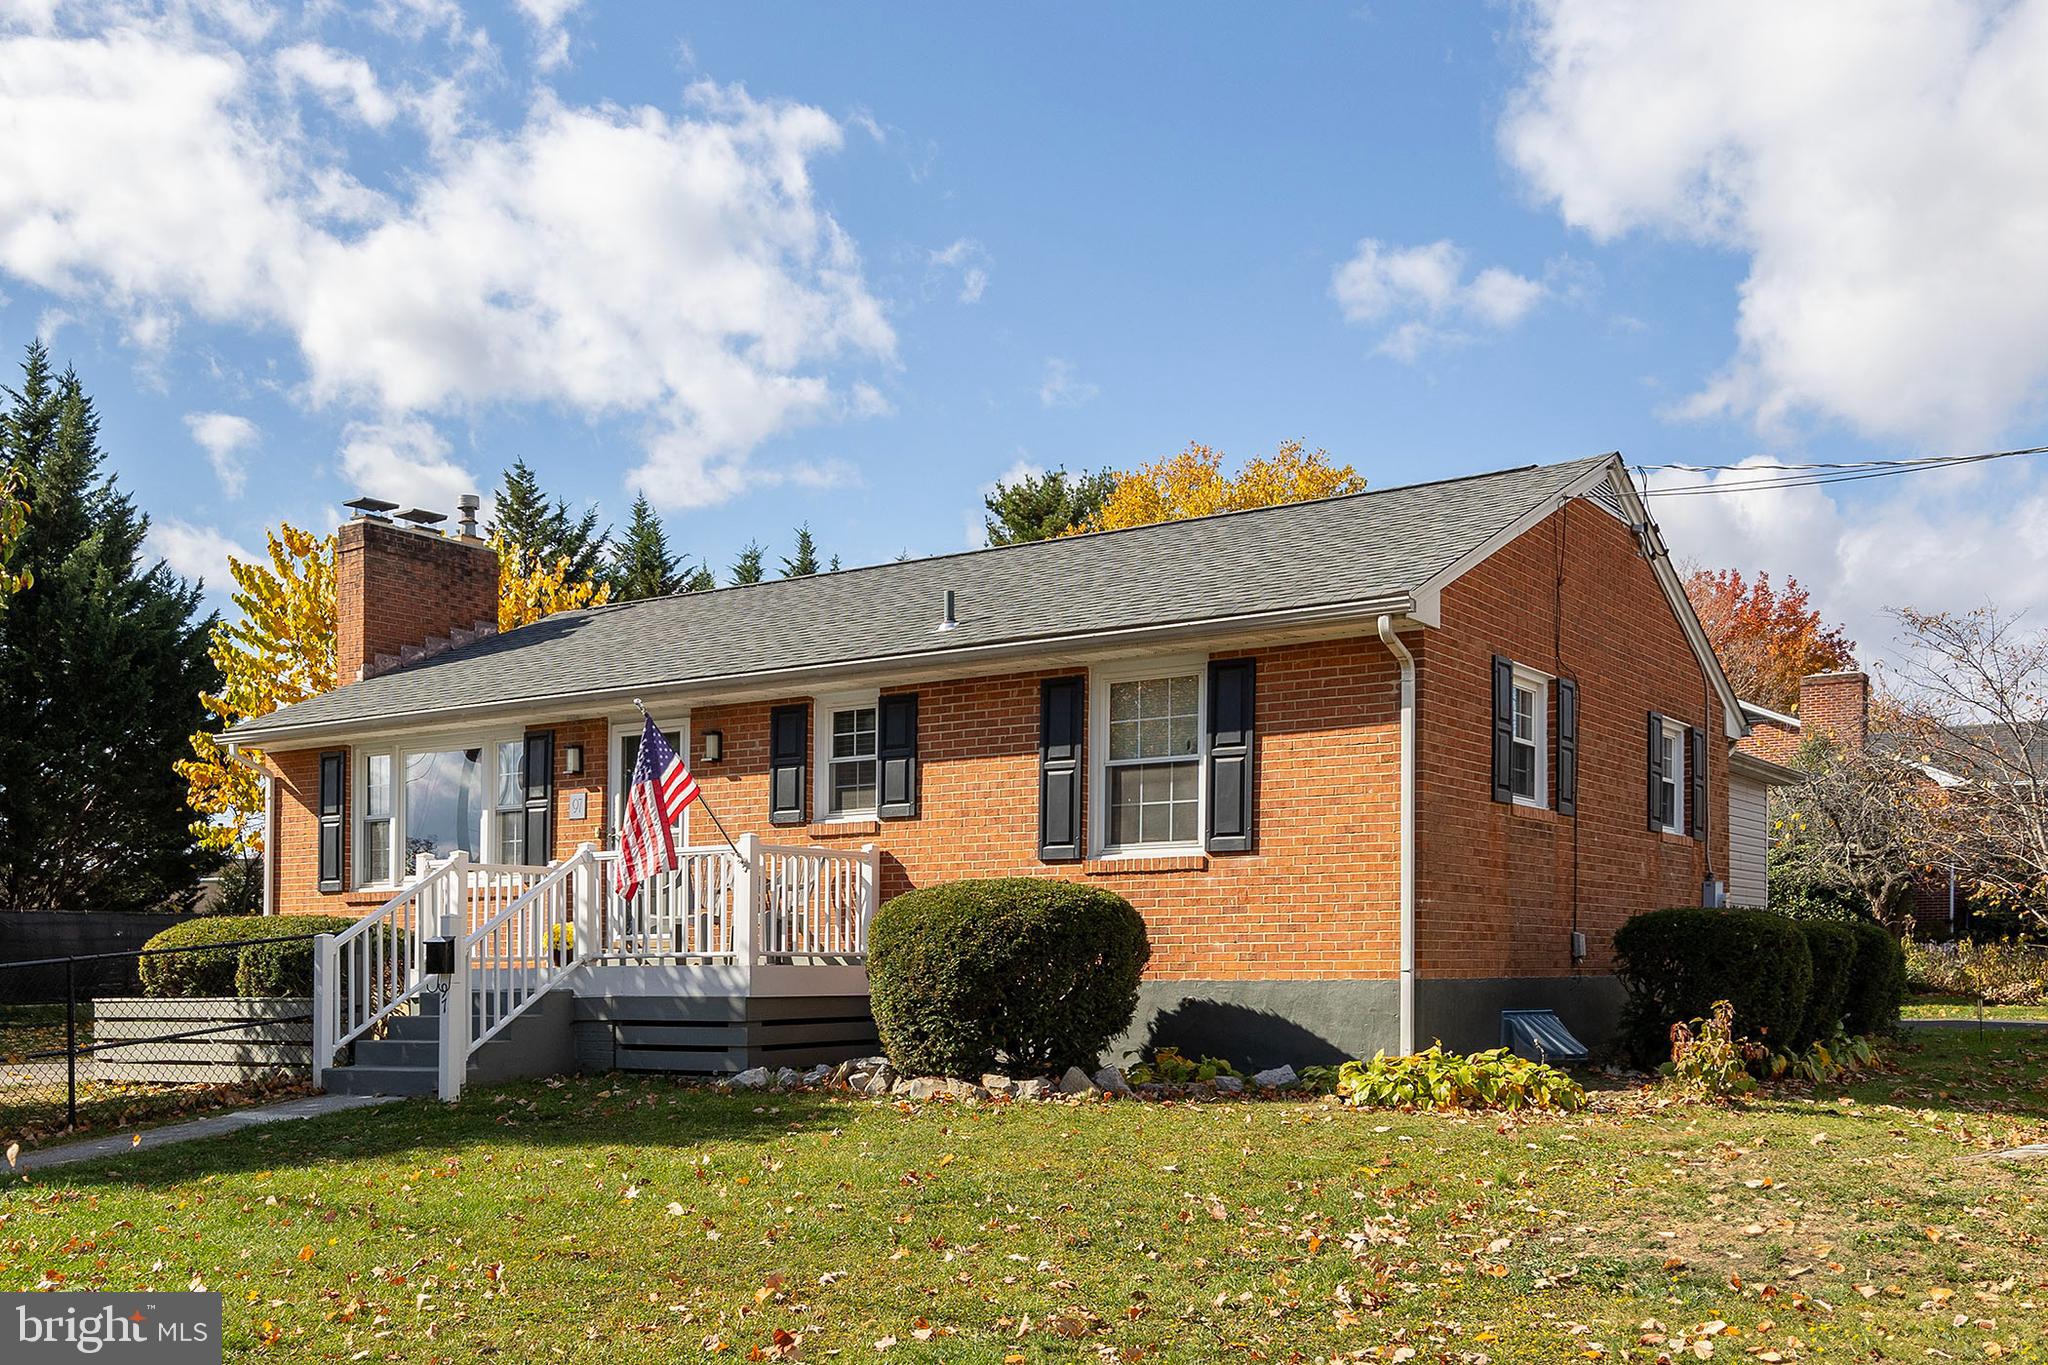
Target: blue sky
pixel 848 265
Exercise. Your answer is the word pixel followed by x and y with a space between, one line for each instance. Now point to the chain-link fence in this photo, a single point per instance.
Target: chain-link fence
pixel 82 1046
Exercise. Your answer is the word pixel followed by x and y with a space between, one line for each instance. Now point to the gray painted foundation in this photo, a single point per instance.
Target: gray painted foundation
pixel 1265 1023
pixel 720 1035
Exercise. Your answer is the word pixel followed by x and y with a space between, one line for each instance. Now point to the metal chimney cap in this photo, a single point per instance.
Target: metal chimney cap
pixel 421 517
pixel 367 506
pixel 468 502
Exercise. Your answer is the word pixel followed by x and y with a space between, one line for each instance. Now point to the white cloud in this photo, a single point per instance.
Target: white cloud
pixel 970 258
pixel 1423 295
pixel 1948 541
pixel 551 40
pixel 345 82
pixel 224 436
pixel 1878 165
pixel 405 462
pixel 673 268
pixel 199 553
pixel 1061 387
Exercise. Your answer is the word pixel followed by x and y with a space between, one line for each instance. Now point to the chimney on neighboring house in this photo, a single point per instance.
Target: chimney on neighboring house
pixel 1837 704
pixel 403 592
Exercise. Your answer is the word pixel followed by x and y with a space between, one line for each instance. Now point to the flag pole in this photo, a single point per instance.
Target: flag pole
pixel 703 800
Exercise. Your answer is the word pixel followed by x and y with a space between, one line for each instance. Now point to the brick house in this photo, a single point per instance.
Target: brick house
pixel 1374 768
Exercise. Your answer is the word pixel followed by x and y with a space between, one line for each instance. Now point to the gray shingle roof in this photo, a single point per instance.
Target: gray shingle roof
pixel 1359 549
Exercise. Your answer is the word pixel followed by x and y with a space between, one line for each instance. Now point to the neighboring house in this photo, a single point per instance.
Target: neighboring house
pixel 1374 768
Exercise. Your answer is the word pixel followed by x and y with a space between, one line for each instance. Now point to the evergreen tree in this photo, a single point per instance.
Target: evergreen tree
pixel 1041 506
pixel 805 561
pixel 747 568
pixel 641 563
pixel 544 531
pixel 700 579
pixel 833 567
pixel 102 660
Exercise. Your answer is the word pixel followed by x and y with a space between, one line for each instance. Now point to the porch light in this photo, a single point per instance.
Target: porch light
pixel 714 745
pixel 572 759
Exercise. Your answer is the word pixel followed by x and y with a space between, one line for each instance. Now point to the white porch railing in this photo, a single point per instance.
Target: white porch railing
pixel 367 972
pixel 519 932
pixel 767 904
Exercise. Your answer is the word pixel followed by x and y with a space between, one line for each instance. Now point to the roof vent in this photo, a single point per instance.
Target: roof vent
pixel 371 508
pixel 467 505
pixel 951 618
pixel 422 518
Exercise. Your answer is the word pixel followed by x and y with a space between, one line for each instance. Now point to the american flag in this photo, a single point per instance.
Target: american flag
pixel 662 789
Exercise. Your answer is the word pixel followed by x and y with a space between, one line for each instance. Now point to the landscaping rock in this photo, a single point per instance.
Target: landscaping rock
pixel 786 1077
pixel 1036 1088
pixel 996 1083
pixel 942 1087
pixel 1278 1078
pixel 753 1078
pixel 1076 1082
pixel 1228 1085
pixel 818 1074
pixel 1112 1080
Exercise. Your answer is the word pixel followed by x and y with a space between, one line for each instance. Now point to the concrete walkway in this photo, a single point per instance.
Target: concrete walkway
pixel 120 1144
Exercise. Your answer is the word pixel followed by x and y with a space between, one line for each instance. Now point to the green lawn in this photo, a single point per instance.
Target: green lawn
pixel 634 1220
pixel 1963 1007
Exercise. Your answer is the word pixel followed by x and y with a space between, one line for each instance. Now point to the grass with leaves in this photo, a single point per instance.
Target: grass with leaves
pixel 628 1220
pixel 1965 1007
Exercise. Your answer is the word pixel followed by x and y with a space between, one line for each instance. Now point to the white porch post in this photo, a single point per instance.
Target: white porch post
pixel 326 1007
pixel 456 1004
pixel 870 891
pixel 746 910
pixel 589 919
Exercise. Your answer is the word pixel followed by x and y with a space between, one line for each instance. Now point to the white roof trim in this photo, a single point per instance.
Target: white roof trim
pixel 1751 709
pixel 1429 597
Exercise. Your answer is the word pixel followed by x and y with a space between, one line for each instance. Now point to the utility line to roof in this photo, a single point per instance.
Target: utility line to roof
pixel 1819 474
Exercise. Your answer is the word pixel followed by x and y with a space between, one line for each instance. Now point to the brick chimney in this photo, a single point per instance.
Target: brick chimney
pixel 404 592
pixel 1837 704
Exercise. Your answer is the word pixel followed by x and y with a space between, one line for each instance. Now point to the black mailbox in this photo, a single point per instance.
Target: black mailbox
pixel 439 957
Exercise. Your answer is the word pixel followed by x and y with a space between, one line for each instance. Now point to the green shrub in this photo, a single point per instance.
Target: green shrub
pixel 1435 1079
pixel 1676 963
pixel 274 969
pixel 1028 973
pixel 1170 1067
pixel 215 971
pixel 1877 983
pixel 1833 947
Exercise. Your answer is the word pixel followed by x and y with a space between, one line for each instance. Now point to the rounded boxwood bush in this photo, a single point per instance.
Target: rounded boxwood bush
pixel 1833 948
pixel 214 971
pixel 271 969
pixel 1023 972
pixel 1676 963
pixel 1877 981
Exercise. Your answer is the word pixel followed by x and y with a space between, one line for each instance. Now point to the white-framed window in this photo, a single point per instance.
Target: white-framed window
pixel 1671 787
pixel 435 795
pixel 1528 753
pixel 844 746
pixel 625 752
pixel 1146 741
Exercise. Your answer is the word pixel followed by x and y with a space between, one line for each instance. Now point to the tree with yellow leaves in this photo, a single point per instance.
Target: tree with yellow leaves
pixel 529 589
pixel 13 521
pixel 279 651
pixel 1193 484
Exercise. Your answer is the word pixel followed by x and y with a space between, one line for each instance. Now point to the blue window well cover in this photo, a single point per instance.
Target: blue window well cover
pixel 1540 1036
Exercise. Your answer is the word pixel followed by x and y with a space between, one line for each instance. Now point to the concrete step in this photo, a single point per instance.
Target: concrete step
pixel 398 1052
pixel 382 1080
pixel 413 1027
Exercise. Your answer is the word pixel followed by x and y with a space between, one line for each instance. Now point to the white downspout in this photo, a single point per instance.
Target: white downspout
pixel 1407 993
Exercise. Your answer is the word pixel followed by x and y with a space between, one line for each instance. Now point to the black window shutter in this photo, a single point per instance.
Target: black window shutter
pixel 333 783
pixel 1567 747
pixel 1503 729
pixel 1231 741
pixel 1656 771
pixel 1059 769
pixel 896 756
pixel 1696 809
pixel 786 736
pixel 540 797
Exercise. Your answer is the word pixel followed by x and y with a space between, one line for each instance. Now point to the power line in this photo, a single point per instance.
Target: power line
pixel 1817 475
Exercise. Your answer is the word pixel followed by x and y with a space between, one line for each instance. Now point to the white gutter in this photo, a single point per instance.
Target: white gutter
pixel 1407 991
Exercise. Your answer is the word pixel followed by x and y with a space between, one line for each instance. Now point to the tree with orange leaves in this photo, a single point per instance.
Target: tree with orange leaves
pixel 1193 484
pixel 1768 638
